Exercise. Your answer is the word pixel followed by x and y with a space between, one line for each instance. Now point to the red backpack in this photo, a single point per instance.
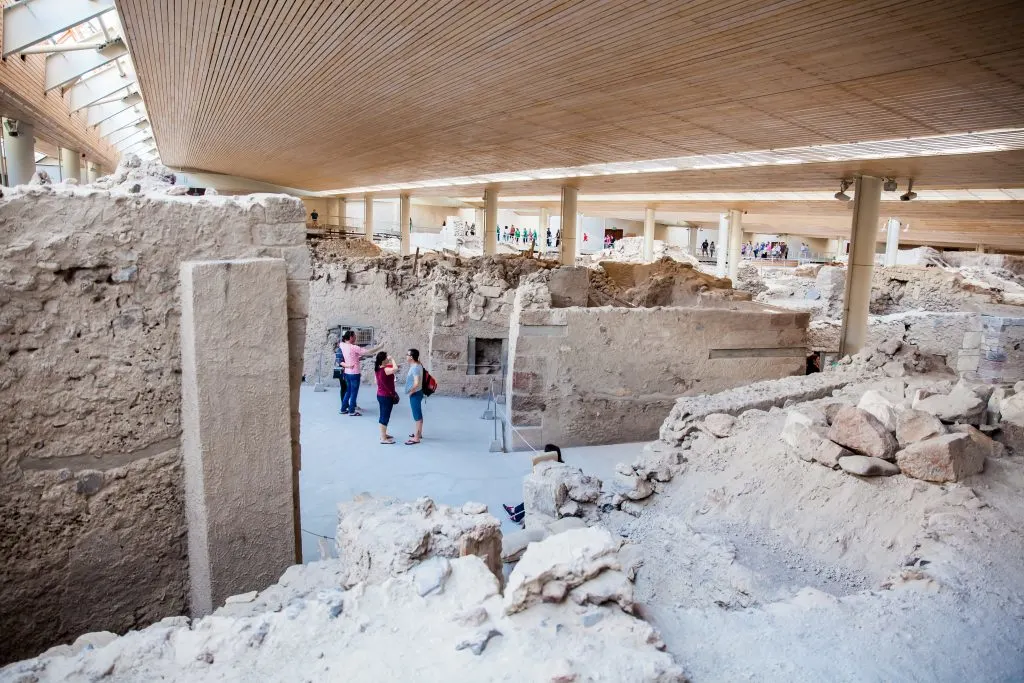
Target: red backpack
pixel 429 383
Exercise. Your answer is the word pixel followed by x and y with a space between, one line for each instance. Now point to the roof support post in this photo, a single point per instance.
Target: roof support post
pixel 863 235
pixel 490 235
pixel 568 227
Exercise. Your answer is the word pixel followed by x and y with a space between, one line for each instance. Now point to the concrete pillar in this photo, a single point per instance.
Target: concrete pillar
pixel 83 171
pixel 892 241
pixel 342 209
pixel 542 230
pixel 735 242
pixel 648 234
pixel 722 245
pixel 368 216
pixel 70 164
pixel 93 171
pixel 478 221
pixel 569 222
pixel 863 235
pixel 980 249
pixel 490 236
pixel 20 151
pixel 405 223
pixel 691 233
pixel 236 427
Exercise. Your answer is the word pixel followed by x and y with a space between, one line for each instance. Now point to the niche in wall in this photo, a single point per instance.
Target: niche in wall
pixel 486 356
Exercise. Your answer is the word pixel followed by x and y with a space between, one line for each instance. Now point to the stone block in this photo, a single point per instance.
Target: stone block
pixel 298 299
pixel 917 425
pixel 236 427
pixel 959 405
pixel 569 286
pixel 882 406
pixel 280 234
pixel 298 263
pixel 866 466
pixel 489 291
pixel 950 457
pixel 284 209
pixel 972 340
pixel 863 433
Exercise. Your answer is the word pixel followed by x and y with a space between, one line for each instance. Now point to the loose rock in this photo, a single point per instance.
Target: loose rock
pixel 862 432
pixel 867 466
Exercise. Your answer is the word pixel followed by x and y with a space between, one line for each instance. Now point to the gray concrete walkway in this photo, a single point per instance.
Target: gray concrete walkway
pixel 342 457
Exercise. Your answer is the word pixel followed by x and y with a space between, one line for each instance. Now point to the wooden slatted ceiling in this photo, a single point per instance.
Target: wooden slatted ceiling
pixel 323 94
pixel 22 97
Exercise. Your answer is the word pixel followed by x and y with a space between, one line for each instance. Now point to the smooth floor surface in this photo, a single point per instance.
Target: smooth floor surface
pixel 342 457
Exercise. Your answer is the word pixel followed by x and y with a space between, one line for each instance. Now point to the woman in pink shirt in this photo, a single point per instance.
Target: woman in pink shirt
pixel 351 355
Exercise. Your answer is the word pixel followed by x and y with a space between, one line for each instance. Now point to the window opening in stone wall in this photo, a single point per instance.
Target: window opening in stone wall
pixel 364 334
pixel 487 356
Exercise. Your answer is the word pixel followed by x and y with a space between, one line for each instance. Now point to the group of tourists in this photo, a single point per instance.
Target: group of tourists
pixel 525 237
pixel 347 357
pixel 766 250
pixel 707 249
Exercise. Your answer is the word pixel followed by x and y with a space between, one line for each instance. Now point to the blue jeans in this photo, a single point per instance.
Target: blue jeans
pixel 416 403
pixel 351 392
pixel 385 404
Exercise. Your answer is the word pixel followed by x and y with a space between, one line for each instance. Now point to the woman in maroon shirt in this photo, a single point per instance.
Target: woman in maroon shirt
pixel 385 368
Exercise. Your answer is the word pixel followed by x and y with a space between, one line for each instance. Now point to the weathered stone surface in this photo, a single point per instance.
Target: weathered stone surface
pixel 629 484
pixel 550 486
pixel 719 424
pixel 382 537
pixel 862 432
pixel 917 425
pixel 881 405
pixel 950 457
pixel 986 445
pixel 608 586
pixel 867 466
pixel 959 405
pixel 658 465
pixel 805 433
pixel 571 558
pixel 1012 409
pixel 429 576
pixel 513 545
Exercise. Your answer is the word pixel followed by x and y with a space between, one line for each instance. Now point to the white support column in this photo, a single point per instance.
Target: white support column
pixel 735 242
pixel 892 241
pixel 93 171
pixel 544 226
pixel 368 216
pixel 863 235
pixel 478 221
pixel 649 234
pixel 691 234
pixel 21 154
pixel 569 222
pixel 980 248
pixel 490 234
pixel 83 171
pixel 722 246
pixel 405 223
pixel 70 164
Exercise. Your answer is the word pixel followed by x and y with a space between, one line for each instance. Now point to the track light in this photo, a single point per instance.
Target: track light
pixel 909 194
pixel 890 185
pixel 844 185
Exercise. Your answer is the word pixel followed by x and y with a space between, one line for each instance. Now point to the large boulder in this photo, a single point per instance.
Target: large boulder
pixel 805 433
pixel 551 485
pixel 917 425
pixel 628 484
pixel 1011 409
pixel 883 406
pixel 551 568
pixel 866 466
pixel 950 457
pixel 719 424
pixel 959 405
pixel 862 432
pixel 378 538
pixel 985 444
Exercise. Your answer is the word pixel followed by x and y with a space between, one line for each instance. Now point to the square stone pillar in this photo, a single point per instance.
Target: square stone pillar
pixel 236 427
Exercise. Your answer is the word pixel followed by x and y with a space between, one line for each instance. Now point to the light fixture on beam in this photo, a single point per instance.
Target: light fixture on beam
pixel 909 194
pixel 844 185
pixel 890 185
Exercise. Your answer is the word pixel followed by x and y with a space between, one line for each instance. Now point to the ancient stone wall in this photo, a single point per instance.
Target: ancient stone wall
pixel 92 527
pixel 583 376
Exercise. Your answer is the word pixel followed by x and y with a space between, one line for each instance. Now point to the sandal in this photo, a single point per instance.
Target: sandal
pixel 388 441
pixel 411 442
pixel 355 413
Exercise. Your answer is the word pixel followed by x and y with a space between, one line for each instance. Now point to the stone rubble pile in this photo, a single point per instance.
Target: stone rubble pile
pixel 631 250
pixel 926 432
pixel 381 537
pixel 565 615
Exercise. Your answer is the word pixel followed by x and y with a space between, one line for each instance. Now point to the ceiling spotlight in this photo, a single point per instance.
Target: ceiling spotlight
pixel 909 194
pixel 844 185
pixel 890 185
